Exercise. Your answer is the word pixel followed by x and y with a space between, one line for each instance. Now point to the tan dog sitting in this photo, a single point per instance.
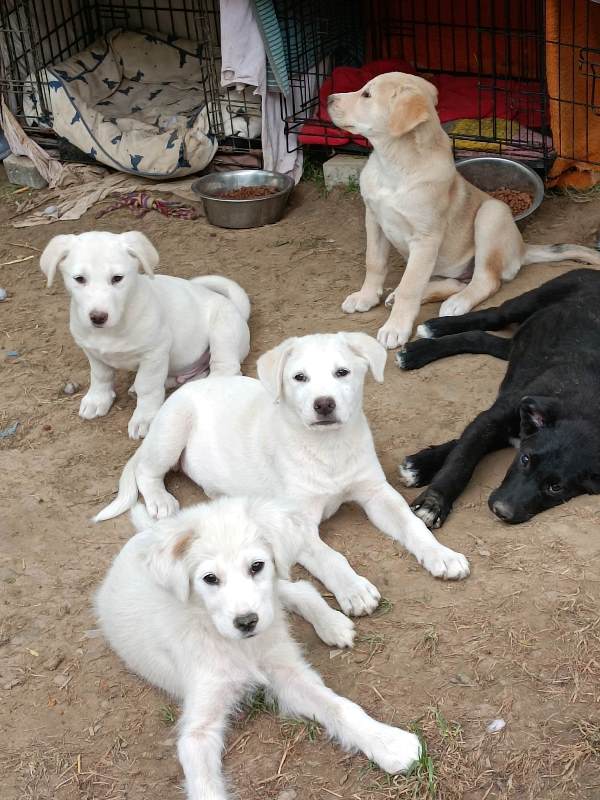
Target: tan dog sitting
pixel 416 201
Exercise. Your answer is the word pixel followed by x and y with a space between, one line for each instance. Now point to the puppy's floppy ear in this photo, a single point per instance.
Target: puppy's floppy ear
pixel 55 251
pixel 271 364
pixel 429 88
pixel 167 561
pixel 139 246
pixel 538 412
pixel 284 529
pixel 370 350
pixel 408 109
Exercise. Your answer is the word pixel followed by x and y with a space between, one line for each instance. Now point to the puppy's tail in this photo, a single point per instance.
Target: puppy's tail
pixel 128 493
pixel 536 253
pixel 228 288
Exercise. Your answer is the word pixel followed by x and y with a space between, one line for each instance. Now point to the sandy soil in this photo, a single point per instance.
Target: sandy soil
pixel 519 640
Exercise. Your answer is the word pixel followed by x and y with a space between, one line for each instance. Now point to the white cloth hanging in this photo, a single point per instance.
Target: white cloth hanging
pixel 244 60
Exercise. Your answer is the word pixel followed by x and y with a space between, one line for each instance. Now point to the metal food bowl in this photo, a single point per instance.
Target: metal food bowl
pixel 250 213
pixel 489 173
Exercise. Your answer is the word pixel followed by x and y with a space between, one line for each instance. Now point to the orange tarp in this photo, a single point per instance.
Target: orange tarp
pixel 573 75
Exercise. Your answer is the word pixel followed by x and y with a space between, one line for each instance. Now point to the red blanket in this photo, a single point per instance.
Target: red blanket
pixel 459 98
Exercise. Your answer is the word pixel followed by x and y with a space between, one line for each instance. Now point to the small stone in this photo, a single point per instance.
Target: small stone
pixel 3 294
pixel 343 170
pixel 50 211
pixel 484 553
pixel 7 574
pixel 47 427
pixel 60 680
pixel 70 388
pixel 287 794
pixel 462 679
pixel 496 725
pixel 54 661
pixel 21 171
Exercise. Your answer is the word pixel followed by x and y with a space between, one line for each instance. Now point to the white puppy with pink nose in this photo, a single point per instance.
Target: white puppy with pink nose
pixel 168 329
pixel 298 433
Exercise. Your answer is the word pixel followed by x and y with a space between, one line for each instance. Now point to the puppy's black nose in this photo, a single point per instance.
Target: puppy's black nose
pixel 502 510
pixel 324 406
pixel 98 317
pixel 246 622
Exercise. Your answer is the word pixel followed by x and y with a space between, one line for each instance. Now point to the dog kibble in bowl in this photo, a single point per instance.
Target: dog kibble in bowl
pixel 516 201
pixel 249 192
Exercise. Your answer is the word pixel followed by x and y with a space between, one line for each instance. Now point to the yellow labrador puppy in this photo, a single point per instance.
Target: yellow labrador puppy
pixel 416 201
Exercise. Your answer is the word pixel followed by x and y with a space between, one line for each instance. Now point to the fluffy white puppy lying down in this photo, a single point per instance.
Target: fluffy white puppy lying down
pixel 298 433
pixel 168 329
pixel 195 605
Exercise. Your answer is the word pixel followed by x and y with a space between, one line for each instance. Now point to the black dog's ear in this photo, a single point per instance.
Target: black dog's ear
pixel 538 412
pixel 591 483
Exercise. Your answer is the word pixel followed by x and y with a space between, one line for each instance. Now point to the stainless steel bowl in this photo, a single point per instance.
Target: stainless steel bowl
pixel 250 213
pixel 488 173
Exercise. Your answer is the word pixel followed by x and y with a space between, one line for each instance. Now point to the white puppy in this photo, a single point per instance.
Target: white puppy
pixel 168 329
pixel 194 605
pixel 299 433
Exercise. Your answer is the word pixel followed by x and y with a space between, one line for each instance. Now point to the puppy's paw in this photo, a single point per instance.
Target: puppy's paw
pixel 455 305
pixel 414 355
pixel 359 598
pixel 389 300
pixel 394 750
pixel 425 331
pixel 360 301
pixel 336 629
pixel 96 404
pixel 161 505
pixel 409 474
pixel 432 507
pixel 444 563
pixel 393 335
pixel 139 424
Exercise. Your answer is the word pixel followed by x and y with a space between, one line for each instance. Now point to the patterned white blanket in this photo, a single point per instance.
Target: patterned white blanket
pixel 133 101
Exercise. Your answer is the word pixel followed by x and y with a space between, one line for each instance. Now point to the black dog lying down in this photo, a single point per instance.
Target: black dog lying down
pixel 549 400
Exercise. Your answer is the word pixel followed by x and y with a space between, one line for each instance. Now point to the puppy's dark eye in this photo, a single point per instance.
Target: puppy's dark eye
pixel 300 377
pixel 116 279
pixel 256 567
pixel 79 279
pixel 211 579
pixel 366 93
pixel 554 488
pixel 524 459
pixel 342 372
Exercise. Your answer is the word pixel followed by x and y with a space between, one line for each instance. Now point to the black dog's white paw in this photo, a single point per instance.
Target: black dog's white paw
pixel 431 507
pixel 401 358
pixel 409 475
pixel 424 331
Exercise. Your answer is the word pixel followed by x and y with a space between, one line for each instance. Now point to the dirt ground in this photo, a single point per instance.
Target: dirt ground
pixel 518 640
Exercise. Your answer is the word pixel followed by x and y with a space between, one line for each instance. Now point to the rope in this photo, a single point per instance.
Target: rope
pixel 140 203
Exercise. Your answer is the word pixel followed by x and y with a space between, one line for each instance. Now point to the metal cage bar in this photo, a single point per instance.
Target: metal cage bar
pixel 35 34
pixel 502 45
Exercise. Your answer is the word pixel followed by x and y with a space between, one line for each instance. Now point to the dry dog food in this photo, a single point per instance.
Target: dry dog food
pixel 249 192
pixel 516 201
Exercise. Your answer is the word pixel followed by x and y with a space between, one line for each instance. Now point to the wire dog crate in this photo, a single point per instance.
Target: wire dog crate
pixel 515 77
pixel 35 34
